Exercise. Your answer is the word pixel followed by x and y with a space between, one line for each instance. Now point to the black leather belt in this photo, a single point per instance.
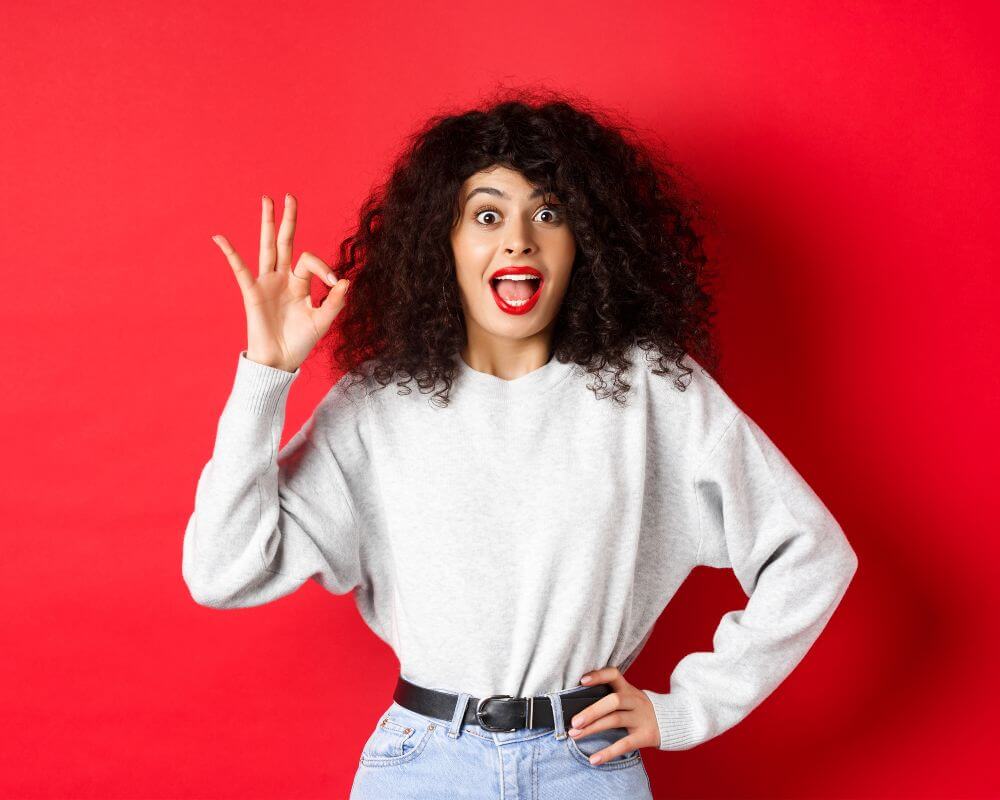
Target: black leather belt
pixel 499 712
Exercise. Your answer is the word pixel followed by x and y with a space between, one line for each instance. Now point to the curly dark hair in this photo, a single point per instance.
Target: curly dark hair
pixel 639 273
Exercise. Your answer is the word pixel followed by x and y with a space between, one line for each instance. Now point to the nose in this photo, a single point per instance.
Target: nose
pixel 518 239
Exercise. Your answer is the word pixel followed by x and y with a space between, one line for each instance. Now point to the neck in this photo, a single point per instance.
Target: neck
pixel 506 358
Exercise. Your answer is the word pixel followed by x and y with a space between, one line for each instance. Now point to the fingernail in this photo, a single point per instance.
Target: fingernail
pixel 330 279
pixel 573 731
pixel 595 759
pixel 585 679
pixel 576 722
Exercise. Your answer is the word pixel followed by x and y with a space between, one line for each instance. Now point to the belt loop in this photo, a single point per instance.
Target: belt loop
pixel 455 728
pixel 557 714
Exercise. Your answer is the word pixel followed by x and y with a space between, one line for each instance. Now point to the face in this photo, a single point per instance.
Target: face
pixel 507 222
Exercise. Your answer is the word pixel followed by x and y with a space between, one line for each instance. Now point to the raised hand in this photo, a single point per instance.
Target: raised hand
pixel 282 324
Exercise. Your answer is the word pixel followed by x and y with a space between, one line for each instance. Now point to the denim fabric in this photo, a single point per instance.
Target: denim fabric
pixel 410 755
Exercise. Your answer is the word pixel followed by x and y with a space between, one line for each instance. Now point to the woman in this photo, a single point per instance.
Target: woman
pixel 514 536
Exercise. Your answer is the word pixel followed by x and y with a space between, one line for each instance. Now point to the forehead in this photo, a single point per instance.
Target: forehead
pixel 501 182
pixel 501 177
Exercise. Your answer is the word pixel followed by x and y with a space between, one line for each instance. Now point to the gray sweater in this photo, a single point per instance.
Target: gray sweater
pixel 527 533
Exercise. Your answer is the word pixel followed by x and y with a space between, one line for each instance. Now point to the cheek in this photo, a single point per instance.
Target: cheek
pixel 468 277
pixel 467 282
pixel 472 259
pixel 568 245
pixel 563 254
pixel 559 243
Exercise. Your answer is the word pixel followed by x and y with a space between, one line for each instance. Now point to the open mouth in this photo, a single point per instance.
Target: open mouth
pixel 516 294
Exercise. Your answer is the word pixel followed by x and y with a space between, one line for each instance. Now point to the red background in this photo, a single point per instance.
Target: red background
pixel 845 154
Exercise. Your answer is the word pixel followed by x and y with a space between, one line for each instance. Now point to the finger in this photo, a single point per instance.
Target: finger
pixel 624 745
pixel 267 249
pixel 613 719
pixel 332 305
pixel 286 233
pixel 243 276
pixel 308 264
pixel 605 675
pixel 605 705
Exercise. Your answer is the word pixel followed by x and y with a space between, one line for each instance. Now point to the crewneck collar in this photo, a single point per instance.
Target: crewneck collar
pixel 485 386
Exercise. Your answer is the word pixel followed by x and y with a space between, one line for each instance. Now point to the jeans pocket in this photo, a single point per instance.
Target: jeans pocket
pixel 395 740
pixel 583 749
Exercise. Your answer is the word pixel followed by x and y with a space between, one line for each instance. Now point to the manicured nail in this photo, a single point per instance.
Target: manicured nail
pixel 573 731
pixel 595 759
pixel 585 679
pixel 330 279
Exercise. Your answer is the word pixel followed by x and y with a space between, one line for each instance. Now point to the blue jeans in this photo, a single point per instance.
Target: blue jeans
pixel 411 755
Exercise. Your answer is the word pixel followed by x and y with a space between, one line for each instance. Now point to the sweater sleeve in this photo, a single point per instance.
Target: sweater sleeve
pixel 760 518
pixel 266 520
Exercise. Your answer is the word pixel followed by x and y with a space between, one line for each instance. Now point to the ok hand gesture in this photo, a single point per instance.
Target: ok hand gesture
pixel 282 324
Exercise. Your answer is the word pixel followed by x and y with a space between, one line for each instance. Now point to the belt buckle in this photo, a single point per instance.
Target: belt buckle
pixel 479 712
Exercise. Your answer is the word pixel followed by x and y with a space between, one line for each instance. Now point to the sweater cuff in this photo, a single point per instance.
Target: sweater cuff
pixel 258 388
pixel 676 719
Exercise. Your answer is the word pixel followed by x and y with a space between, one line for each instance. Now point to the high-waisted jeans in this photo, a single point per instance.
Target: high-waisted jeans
pixel 410 755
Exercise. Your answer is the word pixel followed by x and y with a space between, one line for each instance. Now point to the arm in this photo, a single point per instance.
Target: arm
pixel 264 520
pixel 759 517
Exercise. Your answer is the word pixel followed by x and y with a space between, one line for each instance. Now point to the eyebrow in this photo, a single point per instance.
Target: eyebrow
pixel 496 192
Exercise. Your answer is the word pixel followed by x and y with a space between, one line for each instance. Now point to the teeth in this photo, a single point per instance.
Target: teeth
pixel 518 277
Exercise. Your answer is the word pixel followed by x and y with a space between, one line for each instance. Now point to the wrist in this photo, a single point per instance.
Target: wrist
pixel 268 362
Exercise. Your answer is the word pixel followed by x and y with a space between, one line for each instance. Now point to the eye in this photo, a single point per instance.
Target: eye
pixel 555 216
pixel 487 210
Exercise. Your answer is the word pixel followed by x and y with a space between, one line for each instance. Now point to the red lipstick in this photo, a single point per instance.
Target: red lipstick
pixel 527 305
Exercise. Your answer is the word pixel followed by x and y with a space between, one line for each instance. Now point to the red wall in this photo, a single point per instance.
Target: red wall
pixel 844 152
